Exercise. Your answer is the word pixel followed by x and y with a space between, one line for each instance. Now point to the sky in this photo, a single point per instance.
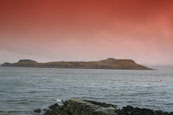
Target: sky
pixel 71 30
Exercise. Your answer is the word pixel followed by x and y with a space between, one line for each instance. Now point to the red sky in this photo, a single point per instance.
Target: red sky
pixel 50 30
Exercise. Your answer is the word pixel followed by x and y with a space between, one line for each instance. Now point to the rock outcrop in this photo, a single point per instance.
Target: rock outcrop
pixel 109 63
pixel 83 107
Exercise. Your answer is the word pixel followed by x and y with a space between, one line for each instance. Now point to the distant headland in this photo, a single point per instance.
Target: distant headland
pixel 109 63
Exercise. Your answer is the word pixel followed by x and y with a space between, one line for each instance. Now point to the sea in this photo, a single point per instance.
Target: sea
pixel 22 90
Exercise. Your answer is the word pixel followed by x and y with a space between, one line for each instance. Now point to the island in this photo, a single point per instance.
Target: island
pixel 109 63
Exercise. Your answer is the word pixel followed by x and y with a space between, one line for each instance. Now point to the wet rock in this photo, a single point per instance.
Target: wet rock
pixel 37 110
pixel 85 107
pixel 101 104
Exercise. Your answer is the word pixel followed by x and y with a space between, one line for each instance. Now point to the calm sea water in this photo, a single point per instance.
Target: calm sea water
pixel 24 89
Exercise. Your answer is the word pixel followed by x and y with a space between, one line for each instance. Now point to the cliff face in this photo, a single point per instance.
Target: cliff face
pixel 109 63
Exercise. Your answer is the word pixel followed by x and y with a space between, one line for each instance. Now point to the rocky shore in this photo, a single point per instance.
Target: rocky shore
pixel 85 107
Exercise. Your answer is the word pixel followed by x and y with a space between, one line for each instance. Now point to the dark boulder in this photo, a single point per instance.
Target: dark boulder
pixel 37 110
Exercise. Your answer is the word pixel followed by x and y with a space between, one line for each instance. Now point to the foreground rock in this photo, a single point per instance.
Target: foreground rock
pixel 81 107
pixel 109 63
pixel 37 110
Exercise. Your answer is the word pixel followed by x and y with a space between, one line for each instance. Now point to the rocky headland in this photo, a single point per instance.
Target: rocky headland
pixel 85 107
pixel 109 63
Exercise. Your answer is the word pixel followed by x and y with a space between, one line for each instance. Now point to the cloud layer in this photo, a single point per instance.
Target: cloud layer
pixel 87 30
